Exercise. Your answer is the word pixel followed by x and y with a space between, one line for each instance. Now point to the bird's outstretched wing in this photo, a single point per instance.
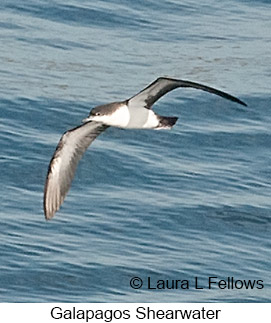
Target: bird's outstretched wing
pixel 69 151
pixel 148 96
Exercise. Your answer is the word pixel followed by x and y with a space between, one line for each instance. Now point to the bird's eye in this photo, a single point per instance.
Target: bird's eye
pixel 97 114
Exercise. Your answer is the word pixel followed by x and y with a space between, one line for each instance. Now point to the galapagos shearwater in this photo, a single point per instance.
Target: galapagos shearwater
pixel 134 113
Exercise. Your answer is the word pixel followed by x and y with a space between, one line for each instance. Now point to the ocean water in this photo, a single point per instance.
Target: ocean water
pixel 169 205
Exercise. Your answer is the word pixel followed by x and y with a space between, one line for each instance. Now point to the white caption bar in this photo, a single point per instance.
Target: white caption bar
pixel 134 312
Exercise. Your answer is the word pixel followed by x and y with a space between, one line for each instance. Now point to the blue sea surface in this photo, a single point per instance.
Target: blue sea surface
pixel 194 201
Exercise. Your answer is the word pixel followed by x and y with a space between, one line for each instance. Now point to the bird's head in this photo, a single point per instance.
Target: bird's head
pixel 109 114
pixel 98 114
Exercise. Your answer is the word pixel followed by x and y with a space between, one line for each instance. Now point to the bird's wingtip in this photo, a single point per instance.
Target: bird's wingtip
pixel 244 103
pixel 48 215
pixel 240 102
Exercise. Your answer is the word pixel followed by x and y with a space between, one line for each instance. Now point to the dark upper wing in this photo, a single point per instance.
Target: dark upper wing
pixel 69 151
pixel 147 97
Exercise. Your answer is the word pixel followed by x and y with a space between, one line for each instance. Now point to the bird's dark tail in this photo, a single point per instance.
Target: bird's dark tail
pixel 166 122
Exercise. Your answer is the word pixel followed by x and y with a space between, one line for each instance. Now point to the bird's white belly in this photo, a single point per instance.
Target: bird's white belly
pixel 120 118
pixel 142 118
pixel 135 118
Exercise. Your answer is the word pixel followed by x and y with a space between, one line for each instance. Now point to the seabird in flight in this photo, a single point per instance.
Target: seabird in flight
pixel 134 113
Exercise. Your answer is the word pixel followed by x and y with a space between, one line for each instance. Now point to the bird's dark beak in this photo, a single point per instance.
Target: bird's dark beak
pixel 89 118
